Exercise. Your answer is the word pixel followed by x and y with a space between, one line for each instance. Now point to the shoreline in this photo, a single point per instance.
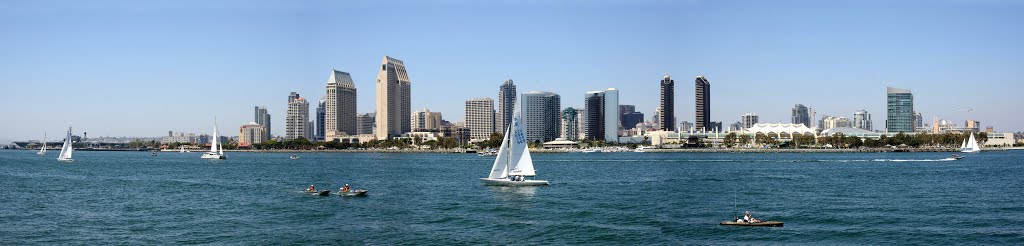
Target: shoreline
pixel 545 151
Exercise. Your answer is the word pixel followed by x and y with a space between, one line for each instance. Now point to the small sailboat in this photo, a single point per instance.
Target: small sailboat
pixel 42 151
pixel 216 150
pixel 182 149
pixel 513 163
pixel 294 157
pixel 971 146
pixel 67 149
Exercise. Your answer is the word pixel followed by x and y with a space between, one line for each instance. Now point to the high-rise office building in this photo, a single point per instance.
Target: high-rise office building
pixel 541 112
pixel 262 117
pixel 365 123
pixel 862 120
pixel 603 115
pixel 480 118
pixel 321 115
pixel 829 122
pixel 310 131
pixel 625 109
pixel 666 108
pixel 629 120
pixel 393 99
pixel 570 124
pixel 506 104
pixel 252 133
pixel 900 105
pixel 292 96
pixel 297 118
pixel 703 103
pixel 685 126
pixel 425 120
pixel 748 120
pixel 918 120
pixel 339 106
pixel 801 115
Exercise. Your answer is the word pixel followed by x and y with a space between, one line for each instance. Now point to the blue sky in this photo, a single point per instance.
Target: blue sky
pixel 134 68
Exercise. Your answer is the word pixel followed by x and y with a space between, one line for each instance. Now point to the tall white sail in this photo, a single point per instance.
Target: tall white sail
pixel 971 145
pixel 216 148
pixel 67 149
pixel 213 144
pixel 42 150
pixel 500 168
pixel 963 145
pixel 521 163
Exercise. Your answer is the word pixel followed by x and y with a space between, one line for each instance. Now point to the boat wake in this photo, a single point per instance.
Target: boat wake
pixel 913 160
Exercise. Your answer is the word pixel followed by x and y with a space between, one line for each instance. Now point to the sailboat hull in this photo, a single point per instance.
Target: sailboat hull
pixel 213 156
pixel 506 182
pixel 65 160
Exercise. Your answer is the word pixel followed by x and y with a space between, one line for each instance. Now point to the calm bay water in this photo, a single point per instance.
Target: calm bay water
pixel 598 198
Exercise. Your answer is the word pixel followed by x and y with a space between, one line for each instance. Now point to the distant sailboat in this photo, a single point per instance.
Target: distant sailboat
pixel 216 150
pixel 42 151
pixel 67 149
pixel 182 149
pixel 513 163
pixel 971 146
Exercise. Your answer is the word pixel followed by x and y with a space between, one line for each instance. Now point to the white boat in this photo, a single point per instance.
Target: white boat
pixel 42 151
pixel 971 146
pixel 640 149
pixel 182 149
pixel 67 149
pixel 216 150
pixel 513 164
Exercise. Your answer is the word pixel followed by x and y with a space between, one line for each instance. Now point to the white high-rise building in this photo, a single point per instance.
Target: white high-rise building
pixel 602 109
pixel 393 99
pixel 424 120
pixel 297 119
pixel 480 118
pixel 611 115
pixel 339 106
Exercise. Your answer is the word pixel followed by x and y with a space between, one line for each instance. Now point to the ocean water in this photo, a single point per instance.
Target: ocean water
pixel 595 198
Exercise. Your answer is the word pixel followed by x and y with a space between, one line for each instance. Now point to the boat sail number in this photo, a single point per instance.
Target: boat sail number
pixel 520 137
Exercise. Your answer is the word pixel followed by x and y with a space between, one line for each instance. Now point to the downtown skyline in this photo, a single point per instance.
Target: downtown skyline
pixel 828 56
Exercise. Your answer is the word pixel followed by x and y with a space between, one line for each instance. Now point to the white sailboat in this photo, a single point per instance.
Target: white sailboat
pixel 513 163
pixel 182 149
pixel 67 149
pixel 963 145
pixel 971 146
pixel 42 151
pixel 216 150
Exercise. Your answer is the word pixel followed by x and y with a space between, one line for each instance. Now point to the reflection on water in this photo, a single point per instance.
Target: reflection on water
pixel 511 193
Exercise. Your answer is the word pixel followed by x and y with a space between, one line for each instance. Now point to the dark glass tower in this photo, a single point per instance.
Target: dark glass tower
pixel 703 103
pixel 506 104
pixel 801 115
pixel 901 110
pixel 666 119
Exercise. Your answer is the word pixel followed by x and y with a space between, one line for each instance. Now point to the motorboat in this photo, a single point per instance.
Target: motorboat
pixel 762 223
pixel 294 157
pixel 359 192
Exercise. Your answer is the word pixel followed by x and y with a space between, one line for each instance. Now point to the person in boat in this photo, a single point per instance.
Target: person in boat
pixel 311 189
pixel 345 189
pixel 750 219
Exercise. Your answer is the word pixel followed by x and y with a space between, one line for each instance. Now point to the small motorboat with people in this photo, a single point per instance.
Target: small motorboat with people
pixel 348 191
pixel 312 191
pixel 748 220
pixel 957 157
pixel 294 157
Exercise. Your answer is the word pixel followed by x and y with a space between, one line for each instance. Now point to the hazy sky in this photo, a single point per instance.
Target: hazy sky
pixel 137 68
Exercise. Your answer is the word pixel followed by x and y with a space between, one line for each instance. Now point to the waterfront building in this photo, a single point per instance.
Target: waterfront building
pixel 262 117
pixel 570 124
pixel 748 120
pixel 900 105
pixel 801 115
pixel 339 106
pixel 364 123
pixel 425 120
pixel 480 118
pixel 393 99
pixel 656 119
pixel 918 120
pixel 736 126
pixel 862 120
pixel 581 115
pixel 665 114
pixel 506 105
pixel 629 120
pixel 297 118
pixel 702 103
pixel 540 112
pixel 172 137
pixel 829 122
pixel 321 115
pixel 310 131
pixel 251 133
pixel 714 126
pixel 973 125
pixel 602 115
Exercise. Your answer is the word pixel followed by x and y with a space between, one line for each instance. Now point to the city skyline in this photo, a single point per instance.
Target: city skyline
pixel 177 75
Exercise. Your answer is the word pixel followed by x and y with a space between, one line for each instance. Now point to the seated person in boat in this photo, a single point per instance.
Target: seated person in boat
pixel 748 218
pixel 345 189
pixel 311 189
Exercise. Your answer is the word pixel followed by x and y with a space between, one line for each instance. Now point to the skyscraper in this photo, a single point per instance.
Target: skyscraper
pixel 666 109
pixel 480 118
pixel 918 120
pixel 862 120
pixel 339 106
pixel 625 109
pixel 393 99
pixel 297 118
pixel 541 114
pixel 629 120
pixel 611 115
pixel 594 120
pixel 603 115
pixel 263 118
pixel 748 120
pixel 321 115
pixel 801 115
pixel 570 124
pixel 506 104
pixel 425 120
pixel 900 104
pixel 703 103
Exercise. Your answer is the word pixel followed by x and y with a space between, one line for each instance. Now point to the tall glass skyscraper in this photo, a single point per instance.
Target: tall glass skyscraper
pixel 506 104
pixel 900 110
pixel 541 113
pixel 801 115
pixel 665 115
pixel 263 118
pixel 703 103
pixel 321 115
